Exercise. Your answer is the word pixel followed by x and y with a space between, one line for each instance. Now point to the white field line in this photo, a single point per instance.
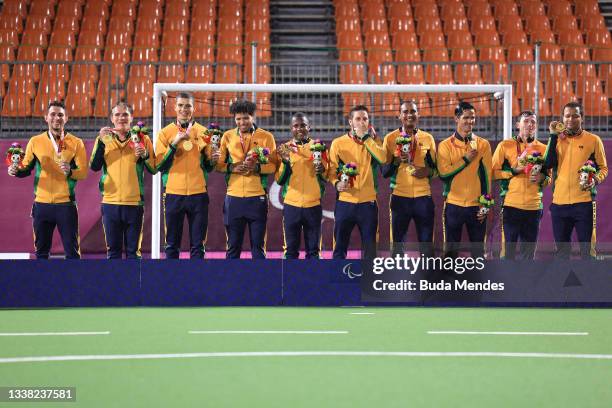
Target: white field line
pixel 268 332
pixel 509 333
pixel 483 354
pixel 101 333
pixel 362 313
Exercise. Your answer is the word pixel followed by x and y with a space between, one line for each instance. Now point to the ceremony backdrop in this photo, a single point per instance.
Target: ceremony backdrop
pixel 16 197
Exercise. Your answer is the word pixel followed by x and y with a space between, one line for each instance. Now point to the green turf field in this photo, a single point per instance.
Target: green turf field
pixel 149 358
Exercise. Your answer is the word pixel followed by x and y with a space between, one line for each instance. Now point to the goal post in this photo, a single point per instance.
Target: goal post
pixel 160 88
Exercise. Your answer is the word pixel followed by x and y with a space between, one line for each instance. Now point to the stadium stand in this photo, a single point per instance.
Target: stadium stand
pixel 92 53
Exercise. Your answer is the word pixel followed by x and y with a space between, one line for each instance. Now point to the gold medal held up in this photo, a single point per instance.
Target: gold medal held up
pixel 473 144
pixel 559 127
pixel 187 145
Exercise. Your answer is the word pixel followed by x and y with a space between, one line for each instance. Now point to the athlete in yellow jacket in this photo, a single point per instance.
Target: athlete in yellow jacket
pixel 303 183
pixel 569 148
pixel 464 166
pixel 183 158
pixel 521 187
pixel 411 171
pixel 58 160
pixel 356 203
pixel 122 162
pixel 242 157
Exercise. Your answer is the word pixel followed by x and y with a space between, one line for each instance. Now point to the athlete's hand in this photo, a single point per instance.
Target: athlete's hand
pixel 65 168
pixel 319 168
pixel 421 172
pixel 140 151
pixel 181 135
pixel 342 186
pixel 471 155
pixel 216 154
pixel 12 170
pixel 536 178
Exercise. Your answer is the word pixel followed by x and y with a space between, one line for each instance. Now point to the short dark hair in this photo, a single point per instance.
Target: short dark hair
pixel 524 114
pixel 575 105
pixel 185 95
pixel 122 104
pixel 358 108
pixel 409 102
pixel 57 104
pixel 243 106
pixel 300 115
pixel 462 107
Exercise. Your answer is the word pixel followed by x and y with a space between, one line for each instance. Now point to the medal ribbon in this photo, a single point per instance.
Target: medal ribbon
pixel 58 147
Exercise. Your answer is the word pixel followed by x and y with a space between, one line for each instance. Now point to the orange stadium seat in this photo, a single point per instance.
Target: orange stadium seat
pixel 118 39
pixel 400 10
pixel 587 8
pixel 592 22
pixel 173 55
pixel 580 73
pixel 374 25
pixel 468 74
pixel 425 9
pixel 561 23
pixel 31 53
pixel 171 73
pixel 517 37
pixel 598 37
pixel 545 36
pixel 559 8
pixel 404 39
pixel 464 54
pixel 199 73
pixel 397 26
pixel 176 24
pixel 595 102
pixel 485 38
pixel 11 22
pixel 37 38
pixel 458 39
pixel 376 39
pixel 174 38
pixel 455 23
pixel 559 91
pixel 555 73
pixel 78 102
pixel 225 74
pixel 443 104
pixel 146 39
pixel 263 54
pixel 230 54
pixel 478 9
pixel 605 70
pixel 412 54
pixel 510 23
pixel 7 53
pixel 428 24
pixel 576 53
pixel 90 38
pixel 16 104
pixel 59 53
pixel 106 99
pixel 15 8
pixel 38 23
pixel 348 24
pixel 484 22
pixel 145 12
pixel 203 54
pixel 505 9
pixel 94 24
pixel 532 8
pixel 203 26
pixel 203 9
pixel 536 22
pixel 370 10
pixel 67 8
pixel 378 56
pixel 96 9
pixel 206 39
pixel 127 10
pixel 42 8
pixel 452 10
pixel 63 37
pixel 434 39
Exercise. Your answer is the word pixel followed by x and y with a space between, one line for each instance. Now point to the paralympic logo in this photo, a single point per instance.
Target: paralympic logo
pixel 349 272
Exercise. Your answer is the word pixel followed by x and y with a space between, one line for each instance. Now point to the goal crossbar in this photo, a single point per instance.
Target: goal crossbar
pixel 160 88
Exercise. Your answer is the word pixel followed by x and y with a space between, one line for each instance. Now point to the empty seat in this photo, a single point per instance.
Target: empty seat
pixel 485 38
pixel 459 39
pixel 536 22
pixel 484 22
pixel 559 8
pixel 454 24
pixel 434 39
pixel 544 36
pixel 598 37
pixel 561 23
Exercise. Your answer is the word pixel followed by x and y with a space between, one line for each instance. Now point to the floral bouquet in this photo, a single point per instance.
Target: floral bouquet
pixel 259 154
pixel 533 163
pixel 212 135
pixel 348 173
pixel 137 134
pixel 319 152
pixel 486 201
pixel 14 155
pixel 402 144
pixel 587 173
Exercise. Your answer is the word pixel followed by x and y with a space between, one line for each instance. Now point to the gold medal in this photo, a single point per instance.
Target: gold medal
pixel 473 144
pixel 57 158
pixel 187 145
pixel 559 127
pixel 107 138
pixel 410 169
